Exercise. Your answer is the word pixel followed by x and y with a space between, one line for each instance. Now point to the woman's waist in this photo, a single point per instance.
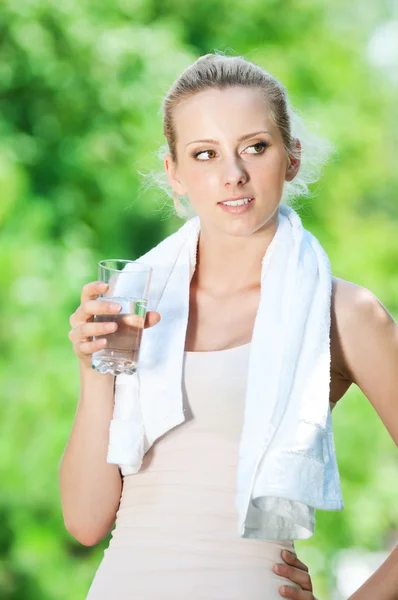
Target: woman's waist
pixel 175 501
pixel 187 519
pixel 195 542
pixel 148 566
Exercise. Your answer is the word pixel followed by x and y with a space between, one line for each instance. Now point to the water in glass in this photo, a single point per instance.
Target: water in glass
pixel 123 346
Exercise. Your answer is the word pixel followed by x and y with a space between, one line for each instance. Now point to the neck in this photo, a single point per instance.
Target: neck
pixel 229 264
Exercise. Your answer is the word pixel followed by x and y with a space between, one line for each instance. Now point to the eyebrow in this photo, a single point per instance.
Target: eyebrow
pixel 240 139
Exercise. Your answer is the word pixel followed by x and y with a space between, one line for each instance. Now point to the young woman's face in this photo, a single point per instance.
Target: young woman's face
pixel 242 156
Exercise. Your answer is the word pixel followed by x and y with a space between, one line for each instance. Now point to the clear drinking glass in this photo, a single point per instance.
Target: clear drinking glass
pixel 128 286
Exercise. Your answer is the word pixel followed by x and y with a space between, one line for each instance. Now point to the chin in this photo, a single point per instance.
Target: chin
pixel 239 229
pixel 247 224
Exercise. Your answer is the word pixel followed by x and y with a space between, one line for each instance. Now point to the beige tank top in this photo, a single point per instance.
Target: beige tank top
pixel 176 534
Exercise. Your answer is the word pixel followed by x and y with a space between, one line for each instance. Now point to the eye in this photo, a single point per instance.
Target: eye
pixel 197 154
pixel 260 145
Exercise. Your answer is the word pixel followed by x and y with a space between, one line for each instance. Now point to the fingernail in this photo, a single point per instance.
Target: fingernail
pixel 276 568
pixel 102 285
pixel 286 554
pixel 116 307
pixel 110 326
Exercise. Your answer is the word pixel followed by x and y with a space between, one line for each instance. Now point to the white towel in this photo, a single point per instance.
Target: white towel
pixel 287 465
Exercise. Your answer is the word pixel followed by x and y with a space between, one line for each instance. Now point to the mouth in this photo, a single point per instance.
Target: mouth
pixel 237 205
pixel 237 201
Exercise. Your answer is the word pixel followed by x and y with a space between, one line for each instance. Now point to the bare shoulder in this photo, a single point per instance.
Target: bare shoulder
pixel 343 305
pixel 350 297
pixel 356 312
pixel 364 336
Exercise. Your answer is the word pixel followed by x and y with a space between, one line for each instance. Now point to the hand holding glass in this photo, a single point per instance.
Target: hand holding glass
pixel 128 283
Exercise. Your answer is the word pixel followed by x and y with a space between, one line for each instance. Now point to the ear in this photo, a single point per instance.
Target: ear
pixel 172 175
pixel 294 163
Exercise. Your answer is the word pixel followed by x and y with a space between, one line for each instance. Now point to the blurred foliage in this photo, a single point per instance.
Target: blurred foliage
pixel 81 87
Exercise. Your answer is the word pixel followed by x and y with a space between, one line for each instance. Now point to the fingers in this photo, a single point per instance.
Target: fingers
pixel 152 318
pixel 293 560
pixel 298 576
pixel 297 572
pixel 88 320
pixel 86 330
pixel 295 594
pixel 89 308
pixel 101 307
pixel 92 290
pixel 85 349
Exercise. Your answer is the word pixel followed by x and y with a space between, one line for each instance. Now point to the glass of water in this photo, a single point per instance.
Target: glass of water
pixel 128 283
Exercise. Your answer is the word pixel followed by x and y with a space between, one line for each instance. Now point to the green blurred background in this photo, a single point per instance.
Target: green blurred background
pixel 81 85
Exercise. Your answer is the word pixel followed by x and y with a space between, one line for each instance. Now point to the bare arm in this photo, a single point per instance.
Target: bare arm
pixel 369 338
pixel 90 487
pixel 370 342
pixel 383 584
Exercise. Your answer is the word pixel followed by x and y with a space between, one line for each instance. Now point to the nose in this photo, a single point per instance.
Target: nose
pixel 235 173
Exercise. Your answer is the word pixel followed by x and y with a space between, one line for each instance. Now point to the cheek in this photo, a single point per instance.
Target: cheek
pixel 202 179
pixel 270 170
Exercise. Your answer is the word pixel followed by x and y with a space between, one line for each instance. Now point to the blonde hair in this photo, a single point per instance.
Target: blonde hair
pixel 219 71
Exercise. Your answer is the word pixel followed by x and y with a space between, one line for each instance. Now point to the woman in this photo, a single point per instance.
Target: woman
pixel 229 131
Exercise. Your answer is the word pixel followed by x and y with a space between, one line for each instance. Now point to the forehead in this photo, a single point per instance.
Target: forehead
pixel 232 111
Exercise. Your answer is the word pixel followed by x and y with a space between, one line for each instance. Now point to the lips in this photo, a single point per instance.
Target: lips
pixel 234 199
pixel 238 209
